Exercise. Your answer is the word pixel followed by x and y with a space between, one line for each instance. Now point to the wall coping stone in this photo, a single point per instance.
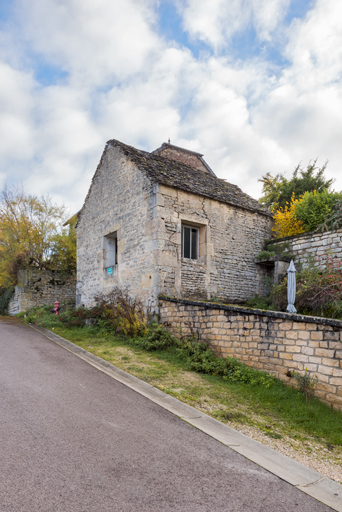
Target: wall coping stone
pixel 319 234
pixel 252 311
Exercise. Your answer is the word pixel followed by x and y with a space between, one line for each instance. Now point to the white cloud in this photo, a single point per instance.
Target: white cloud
pixel 96 42
pixel 15 90
pixel 315 46
pixel 217 21
pixel 126 82
pixel 303 112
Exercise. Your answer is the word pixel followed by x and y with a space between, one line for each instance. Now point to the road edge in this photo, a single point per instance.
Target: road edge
pixel 305 479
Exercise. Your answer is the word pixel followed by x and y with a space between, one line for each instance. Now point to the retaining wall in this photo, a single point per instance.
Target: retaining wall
pixel 278 343
pixel 314 244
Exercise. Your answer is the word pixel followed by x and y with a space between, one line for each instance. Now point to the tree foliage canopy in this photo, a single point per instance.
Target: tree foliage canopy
pixel 278 190
pixel 32 234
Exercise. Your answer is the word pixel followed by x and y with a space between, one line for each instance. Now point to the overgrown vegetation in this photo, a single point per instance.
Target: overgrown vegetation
pixel 286 222
pixel 121 314
pixel 278 191
pixel 311 211
pixel 303 203
pixel 306 384
pixel 224 388
pixel 32 234
pixel 318 288
pixel 279 250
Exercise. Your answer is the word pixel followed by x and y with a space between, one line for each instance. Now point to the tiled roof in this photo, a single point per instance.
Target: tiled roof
pixel 178 175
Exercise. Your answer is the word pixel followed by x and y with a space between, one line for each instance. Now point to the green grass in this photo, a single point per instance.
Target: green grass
pixel 278 411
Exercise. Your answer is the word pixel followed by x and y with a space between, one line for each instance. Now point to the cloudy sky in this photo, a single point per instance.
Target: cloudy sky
pixel 254 85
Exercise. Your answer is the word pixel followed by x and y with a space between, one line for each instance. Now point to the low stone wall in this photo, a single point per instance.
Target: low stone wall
pixel 314 244
pixel 277 343
pixel 40 287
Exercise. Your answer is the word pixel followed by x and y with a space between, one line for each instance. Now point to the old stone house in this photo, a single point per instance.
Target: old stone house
pixel 163 223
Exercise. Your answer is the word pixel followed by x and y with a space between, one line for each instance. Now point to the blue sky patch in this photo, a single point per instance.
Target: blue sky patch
pixel 298 9
pixel 6 8
pixel 170 26
pixel 48 74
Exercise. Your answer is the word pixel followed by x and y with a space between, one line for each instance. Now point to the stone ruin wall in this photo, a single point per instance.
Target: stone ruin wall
pixel 41 287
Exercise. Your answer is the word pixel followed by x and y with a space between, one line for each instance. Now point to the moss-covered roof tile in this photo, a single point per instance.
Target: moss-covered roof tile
pixel 178 175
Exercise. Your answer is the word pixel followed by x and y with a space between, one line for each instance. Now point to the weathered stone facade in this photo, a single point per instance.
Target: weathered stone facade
pixel 278 343
pixel 142 201
pixel 121 200
pixel 40 287
pixel 230 238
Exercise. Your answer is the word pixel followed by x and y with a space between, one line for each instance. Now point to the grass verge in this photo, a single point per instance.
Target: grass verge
pixel 277 415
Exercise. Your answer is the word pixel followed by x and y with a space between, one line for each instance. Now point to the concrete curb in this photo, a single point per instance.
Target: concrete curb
pixel 316 485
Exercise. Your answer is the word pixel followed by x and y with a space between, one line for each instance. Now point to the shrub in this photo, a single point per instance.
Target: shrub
pixel 264 255
pixel 311 211
pixel 259 302
pixel 314 207
pixel 286 222
pixel 200 357
pixel 122 312
pixel 76 317
pixel 155 338
pixel 318 288
pixel 334 219
pixel 306 384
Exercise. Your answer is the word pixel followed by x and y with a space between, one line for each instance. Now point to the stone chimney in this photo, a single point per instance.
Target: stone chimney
pixel 184 156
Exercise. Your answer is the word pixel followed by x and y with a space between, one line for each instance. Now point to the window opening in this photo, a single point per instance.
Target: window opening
pixel 111 252
pixel 190 242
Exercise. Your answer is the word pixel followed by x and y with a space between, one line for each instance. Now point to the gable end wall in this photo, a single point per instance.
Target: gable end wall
pixel 120 200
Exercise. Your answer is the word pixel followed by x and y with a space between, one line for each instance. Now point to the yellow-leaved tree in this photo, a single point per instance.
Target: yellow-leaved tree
pixel 32 235
pixel 285 220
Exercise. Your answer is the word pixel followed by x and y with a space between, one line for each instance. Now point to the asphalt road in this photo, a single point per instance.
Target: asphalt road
pixel 73 439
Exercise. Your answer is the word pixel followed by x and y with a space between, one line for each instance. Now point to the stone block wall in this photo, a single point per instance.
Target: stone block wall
pixel 40 287
pixel 314 244
pixel 145 218
pixel 230 238
pixel 277 343
pixel 121 201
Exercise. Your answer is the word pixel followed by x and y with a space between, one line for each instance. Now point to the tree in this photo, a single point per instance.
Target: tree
pixel 277 190
pixel 32 235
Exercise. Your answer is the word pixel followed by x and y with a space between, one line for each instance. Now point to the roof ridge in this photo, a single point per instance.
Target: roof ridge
pixel 179 175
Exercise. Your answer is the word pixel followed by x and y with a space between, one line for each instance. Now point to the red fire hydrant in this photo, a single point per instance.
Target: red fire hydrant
pixel 56 307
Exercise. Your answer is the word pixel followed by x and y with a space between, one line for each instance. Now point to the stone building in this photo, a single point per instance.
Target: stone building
pixel 163 223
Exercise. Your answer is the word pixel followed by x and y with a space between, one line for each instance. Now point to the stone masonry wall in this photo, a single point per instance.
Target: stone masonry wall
pixel 41 287
pixel 314 244
pixel 230 239
pixel 277 343
pixel 121 201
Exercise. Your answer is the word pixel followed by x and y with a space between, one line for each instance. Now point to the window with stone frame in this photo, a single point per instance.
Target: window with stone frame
pixel 110 252
pixel 190 242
